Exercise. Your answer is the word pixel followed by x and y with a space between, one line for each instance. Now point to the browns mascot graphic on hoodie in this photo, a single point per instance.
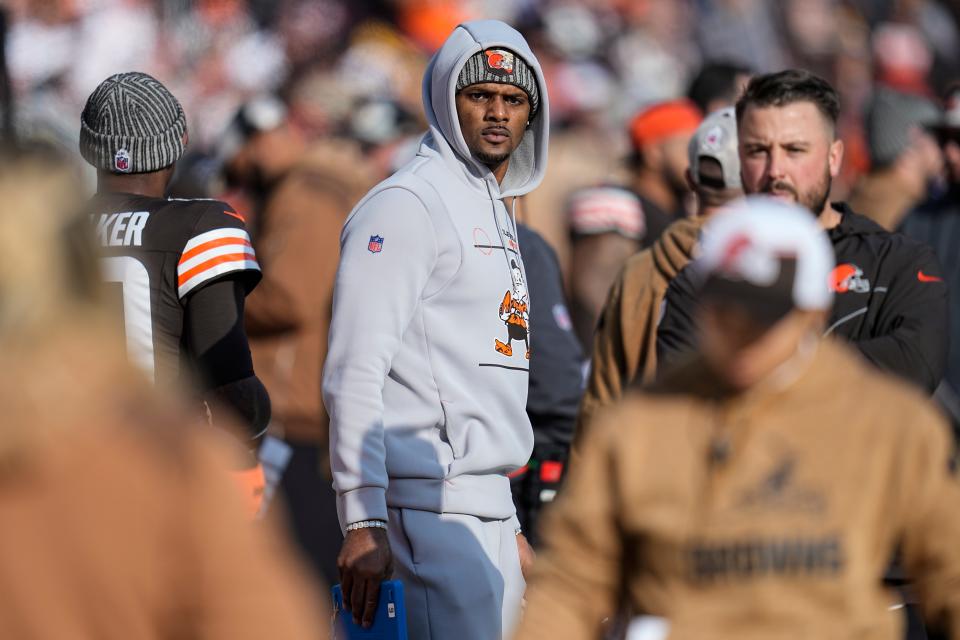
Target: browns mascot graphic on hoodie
pixel 515 312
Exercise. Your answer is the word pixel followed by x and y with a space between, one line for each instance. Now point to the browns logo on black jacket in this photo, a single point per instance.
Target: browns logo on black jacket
pixel 890 302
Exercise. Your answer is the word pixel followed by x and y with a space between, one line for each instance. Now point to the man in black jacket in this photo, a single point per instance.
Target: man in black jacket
pixel 937 222
pixel 556 382
pixel 890 298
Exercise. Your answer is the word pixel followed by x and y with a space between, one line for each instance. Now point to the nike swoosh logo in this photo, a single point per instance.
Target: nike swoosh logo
pixel 922 277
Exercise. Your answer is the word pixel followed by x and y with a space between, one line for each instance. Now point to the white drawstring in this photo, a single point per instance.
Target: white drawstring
pixel 503 241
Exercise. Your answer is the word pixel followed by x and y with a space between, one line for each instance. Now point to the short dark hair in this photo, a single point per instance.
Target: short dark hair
pixel 716 81
pixel 786 87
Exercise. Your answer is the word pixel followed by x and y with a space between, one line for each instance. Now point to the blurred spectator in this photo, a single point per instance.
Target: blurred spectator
pixel 903 58
pixel 624 346
pixel 429 22
pixel 116 491
pixel 852 75
pixel 742 31
pixel 717 85
pixel 255 152
pixel 653 52
pixel 556 382
pixel 583 154
pixel 726 501
pixel 904 157
pixel 811 27
pixel 388 134
pixel 303 195
pixel 380 63
pixel 937 223
pixel 609 224
pixel 891 302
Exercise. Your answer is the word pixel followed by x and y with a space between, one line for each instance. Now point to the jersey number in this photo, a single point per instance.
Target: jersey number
pixel 137 319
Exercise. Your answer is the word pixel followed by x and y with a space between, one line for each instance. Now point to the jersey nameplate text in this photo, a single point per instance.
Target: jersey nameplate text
pixel 122 229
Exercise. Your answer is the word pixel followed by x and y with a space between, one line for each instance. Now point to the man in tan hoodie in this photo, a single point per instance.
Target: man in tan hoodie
pixel 624 345
pixel 760 490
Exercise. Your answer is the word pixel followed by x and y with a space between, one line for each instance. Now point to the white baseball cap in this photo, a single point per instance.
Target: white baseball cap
pixel 716 138
pixel 766 255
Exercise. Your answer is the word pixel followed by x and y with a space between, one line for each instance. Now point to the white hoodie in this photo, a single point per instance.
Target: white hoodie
pixel 426 375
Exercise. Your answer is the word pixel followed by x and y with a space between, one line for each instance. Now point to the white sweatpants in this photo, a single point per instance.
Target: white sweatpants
pixel 461 574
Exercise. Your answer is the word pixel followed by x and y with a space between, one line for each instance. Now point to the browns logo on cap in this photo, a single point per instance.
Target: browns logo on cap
pixel 499 61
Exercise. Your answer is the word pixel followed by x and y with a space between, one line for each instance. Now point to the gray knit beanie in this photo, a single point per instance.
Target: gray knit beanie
pixel 502 66
pixel 889 117
pixel 132 124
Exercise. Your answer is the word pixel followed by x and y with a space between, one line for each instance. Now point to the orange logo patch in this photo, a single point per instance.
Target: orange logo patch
pixel 849 277
pixel 500 61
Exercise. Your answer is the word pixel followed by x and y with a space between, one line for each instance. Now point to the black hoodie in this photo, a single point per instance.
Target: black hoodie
pixel 890 301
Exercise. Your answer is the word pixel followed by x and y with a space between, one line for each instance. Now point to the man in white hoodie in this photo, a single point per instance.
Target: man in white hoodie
pixel 426 375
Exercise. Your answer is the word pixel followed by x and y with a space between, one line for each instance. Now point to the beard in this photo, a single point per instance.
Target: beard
pixel 814 199
pixel 492 160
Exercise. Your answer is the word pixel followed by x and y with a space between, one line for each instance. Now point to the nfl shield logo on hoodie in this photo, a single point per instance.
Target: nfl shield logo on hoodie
pixel 376 244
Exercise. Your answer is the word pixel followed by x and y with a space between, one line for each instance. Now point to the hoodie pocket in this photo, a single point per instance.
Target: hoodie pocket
pixel 450 436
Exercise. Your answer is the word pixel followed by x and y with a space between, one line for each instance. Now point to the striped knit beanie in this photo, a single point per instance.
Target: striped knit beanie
pixel 502 66
pixel 888 119
pixel 132 124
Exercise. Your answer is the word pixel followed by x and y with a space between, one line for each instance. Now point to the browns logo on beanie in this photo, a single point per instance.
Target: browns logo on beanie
pixel 504 67
pixel 132 124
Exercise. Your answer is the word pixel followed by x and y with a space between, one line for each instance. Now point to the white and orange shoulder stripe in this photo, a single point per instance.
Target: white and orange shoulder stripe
pixel 212 254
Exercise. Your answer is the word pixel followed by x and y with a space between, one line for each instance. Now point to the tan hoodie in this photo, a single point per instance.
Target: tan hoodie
pixel 625 343
pixel 771 514
pixel 885 198
pixel 119 521
pixel 288 314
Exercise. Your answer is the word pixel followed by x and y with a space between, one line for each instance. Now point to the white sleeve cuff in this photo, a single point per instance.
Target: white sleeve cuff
pixel 365 503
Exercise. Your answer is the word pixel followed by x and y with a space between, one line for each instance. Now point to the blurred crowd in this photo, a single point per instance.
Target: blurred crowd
pixel 353 69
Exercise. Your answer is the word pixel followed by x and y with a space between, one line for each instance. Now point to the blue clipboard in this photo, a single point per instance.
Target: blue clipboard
pixel 389 623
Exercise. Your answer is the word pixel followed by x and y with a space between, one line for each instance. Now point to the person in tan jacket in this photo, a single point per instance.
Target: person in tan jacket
pixel 760 490
pixel 624 345
pixel 119 518
pixel 298 243
pixel 304 192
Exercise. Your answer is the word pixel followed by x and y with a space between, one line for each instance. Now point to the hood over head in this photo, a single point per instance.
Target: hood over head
pixel 528 162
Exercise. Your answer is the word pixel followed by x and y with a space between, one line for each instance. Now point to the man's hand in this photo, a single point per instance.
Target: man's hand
pixel 527 555
pixel 364 562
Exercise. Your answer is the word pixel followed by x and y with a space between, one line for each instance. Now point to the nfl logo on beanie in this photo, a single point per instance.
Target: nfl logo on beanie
pixel 121 161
